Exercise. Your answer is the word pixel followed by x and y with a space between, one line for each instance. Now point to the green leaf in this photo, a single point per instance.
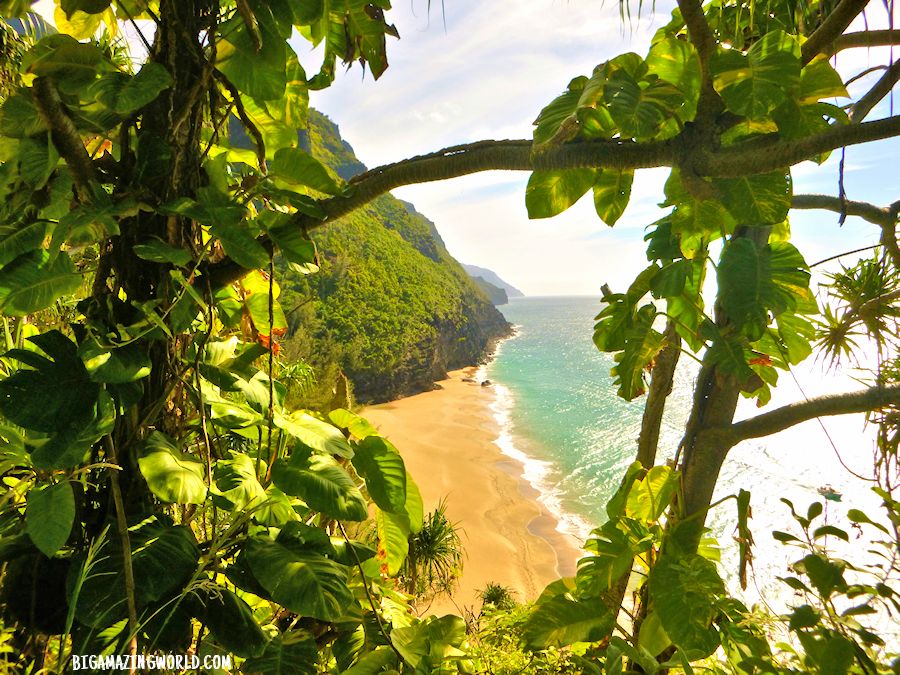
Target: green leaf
pixel 826 575
pixel 556 112
pixel 229 619
pixel 430 643
pixel 753 282
pixel 684 590
pixel 158 251
pixel 172 476
pixel 37 160
pixel 72 64
pixel 819 80
pixel 323 484
pixel 314 433
pixel 68 447
pixel 676 62
pixel 308 584
pixel 164 557
pixel 650 497
pixel 35 281
pixel 612 556
pixel 376 661
pixel 381 466
pixel 236 481
pixel 642 344
pixel 653 636
pixel 561 620
pixel 54 395
pixel 355 424
pixel 612 190
pixel 260 73
pixel 640 108
pixel 762 199
pixel 549 193
pixel 16 240
pixel 393 540
pixel 297 167
pixel 240 245
pixel 114 365
pixel 755 84
pixel 123 93
pixel 291 653
pixel 49 516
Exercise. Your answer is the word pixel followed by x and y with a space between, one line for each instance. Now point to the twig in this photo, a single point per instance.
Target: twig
pixel 128 569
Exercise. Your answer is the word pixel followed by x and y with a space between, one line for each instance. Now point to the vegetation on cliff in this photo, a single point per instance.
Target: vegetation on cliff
pixel 389 306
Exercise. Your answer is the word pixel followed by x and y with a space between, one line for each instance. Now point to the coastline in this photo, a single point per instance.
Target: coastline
pixel 448 440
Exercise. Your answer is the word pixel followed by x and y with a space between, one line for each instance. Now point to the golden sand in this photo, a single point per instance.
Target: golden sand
pixel 447 438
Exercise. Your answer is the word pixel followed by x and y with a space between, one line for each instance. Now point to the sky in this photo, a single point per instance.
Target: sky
pixel 484 70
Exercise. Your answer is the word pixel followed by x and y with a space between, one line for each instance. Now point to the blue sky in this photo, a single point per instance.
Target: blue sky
pixel 488 75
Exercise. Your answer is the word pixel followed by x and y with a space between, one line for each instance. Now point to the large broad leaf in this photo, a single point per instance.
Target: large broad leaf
pixel 684 590
pixel 71 63
pixel 236 481
pixel 68 447
pixel 820 80
pixel 431 643
pixel 314 433
pixel 642 344
pixel 393 540
pixel 611 194
pixel 114 365
pixel 754 84
pixel 295 166
pixel 754 281
pixel 612 556
pixel 164 556
pixel 35 281
pixel 54 395
pixel 86 6
pixel 306 583
pixel 256 66
pixel 291 653
pixel 22 238
pixel 229 619
pixel 650 497
pixel 381 466
pixel 676 62
pixel 172 476
pixel 49 515
pixel 123 93
pixel 640 108
pixel 762 199
pixel 376 661
pixel 549 193
pixel 561 620
pixel 323 484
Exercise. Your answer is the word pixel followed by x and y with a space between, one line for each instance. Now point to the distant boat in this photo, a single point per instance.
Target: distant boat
pixel 829 493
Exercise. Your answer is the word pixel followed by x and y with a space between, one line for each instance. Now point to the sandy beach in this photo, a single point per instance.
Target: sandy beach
pixel 447 438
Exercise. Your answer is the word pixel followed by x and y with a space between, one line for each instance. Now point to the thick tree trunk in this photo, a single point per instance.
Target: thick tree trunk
pixel 661 382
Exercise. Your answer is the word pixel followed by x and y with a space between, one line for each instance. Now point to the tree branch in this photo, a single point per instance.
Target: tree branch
pixel 771 153
pixel 831 28
pixel 866 38
pixel 766 154
pixel 513 155
pixel 790 415
pixel 870 212
pixel 66 138
pixel 879 90
pixel 698 30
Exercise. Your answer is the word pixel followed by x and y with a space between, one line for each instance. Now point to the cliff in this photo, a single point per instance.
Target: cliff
pixel 494 280
pixel 390 307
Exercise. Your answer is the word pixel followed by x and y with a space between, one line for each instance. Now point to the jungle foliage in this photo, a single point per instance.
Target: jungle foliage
pixel 164 494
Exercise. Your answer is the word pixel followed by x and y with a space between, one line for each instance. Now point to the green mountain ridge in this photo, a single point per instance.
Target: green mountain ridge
pixel 389 307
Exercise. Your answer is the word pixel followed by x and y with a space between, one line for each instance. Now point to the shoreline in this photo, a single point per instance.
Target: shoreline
pixel 448 440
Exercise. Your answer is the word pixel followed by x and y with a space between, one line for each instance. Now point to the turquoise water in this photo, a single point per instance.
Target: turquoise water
pixel 560 417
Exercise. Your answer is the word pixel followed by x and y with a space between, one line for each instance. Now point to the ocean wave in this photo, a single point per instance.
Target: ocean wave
pixel 542 475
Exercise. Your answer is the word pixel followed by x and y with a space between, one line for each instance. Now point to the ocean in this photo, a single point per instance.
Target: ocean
pixel 560 417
